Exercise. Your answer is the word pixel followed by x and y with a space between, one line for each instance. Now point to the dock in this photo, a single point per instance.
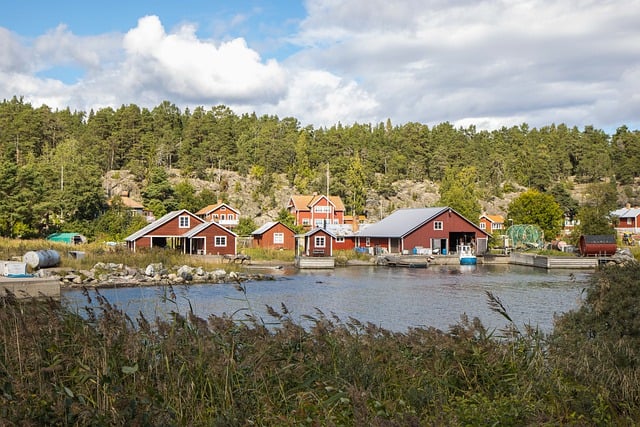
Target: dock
pixel 315 262
pixel 31 287
pixel 548 262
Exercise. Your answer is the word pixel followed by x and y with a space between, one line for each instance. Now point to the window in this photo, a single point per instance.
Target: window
pixel 497 226
pixel 339 239
pixel 483 226
pixel 319 222
pixel 184 221
pixel 215 217
pixel 629 221
pixel 221 241
pixel 278 238
pixel 322 209
pixel 368 242
pixel 305 221
pixel 223 208
pixel 319 242
pixel 437 225
pixel 222 217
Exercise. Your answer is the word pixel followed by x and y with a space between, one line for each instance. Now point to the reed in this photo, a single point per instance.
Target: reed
pixel 98 366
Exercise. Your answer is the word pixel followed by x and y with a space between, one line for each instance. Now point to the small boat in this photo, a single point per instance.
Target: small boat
pixel 466 255
pixel 410 261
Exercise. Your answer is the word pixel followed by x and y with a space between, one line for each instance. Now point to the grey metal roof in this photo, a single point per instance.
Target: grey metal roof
pixel 626 212
pixel 266 226
pixel 155 224
pixel 401 222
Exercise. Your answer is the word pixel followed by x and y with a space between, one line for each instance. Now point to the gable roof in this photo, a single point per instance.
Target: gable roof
pixel 626 212
pixel 404 221
pixel 157 223
pixel 267 226
pixel 304 203
pixel 201 227
pixel 210 208
pixel 317 230
pixel 496 219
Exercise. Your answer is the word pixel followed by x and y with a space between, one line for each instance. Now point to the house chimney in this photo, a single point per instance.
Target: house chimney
pixel 355 224
pixel 628 206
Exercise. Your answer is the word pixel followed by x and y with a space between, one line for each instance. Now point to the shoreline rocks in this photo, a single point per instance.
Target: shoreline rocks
pixel 104 275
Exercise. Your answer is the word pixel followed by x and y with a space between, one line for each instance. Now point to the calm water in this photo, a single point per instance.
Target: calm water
pixel 394 298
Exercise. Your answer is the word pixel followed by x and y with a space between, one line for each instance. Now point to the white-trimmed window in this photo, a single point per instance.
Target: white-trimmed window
pixel 322 209
pixel 483 226
pixel 367 242
pixel 496 226
pixel 220 241
pixel 438 225
pixel 305 221
pixel 339 239
pixel 184 221
pixel 278 238
pixel 319 222
pixel 319 242
pixel 222 217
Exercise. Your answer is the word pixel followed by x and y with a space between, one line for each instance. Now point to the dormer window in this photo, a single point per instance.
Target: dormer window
pixel 184 221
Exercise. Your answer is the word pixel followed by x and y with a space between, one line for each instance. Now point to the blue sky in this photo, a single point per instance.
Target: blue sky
pixel 483 63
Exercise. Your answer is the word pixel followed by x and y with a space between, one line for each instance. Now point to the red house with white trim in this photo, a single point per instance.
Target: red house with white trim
pixel 316 210
pixel 491 223
pixel 184 231
pixel 221 213
pixel 274 235
pixel 318 242
pixel 438 230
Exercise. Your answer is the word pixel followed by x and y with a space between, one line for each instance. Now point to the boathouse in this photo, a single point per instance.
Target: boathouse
pixel 437 230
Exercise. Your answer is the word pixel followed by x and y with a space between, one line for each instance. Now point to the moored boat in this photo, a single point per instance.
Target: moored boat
pixel 466 255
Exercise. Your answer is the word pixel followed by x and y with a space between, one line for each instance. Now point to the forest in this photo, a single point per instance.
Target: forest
pixel 53 162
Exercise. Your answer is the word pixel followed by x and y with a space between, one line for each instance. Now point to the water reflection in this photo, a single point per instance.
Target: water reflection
pixel 394 298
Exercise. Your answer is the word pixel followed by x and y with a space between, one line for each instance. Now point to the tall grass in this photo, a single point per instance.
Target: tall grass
pixel 104 368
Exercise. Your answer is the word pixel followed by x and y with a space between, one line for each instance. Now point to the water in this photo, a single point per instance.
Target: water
pixel 393 298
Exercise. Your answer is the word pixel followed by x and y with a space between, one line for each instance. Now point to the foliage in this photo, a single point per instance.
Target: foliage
pixel 606 329
pixel 458 191
pixel 245 227
pixel 52 162
pixel 535 208
pixel 594 214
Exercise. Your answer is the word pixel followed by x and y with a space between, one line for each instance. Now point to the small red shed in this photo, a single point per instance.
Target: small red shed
pixel 274 235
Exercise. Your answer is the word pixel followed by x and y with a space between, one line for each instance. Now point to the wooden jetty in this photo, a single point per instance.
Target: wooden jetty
pixel 315 262
pixel 548 262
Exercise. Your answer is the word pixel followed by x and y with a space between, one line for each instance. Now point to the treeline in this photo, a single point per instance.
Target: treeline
pixel 52 162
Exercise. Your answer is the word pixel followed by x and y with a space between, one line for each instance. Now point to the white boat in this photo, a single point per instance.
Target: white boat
pixel 466 255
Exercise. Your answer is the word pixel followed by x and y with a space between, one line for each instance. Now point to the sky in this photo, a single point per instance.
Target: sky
pixel 483 63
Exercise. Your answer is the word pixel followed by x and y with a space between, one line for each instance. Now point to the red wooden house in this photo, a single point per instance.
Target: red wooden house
pixel 438 230
pixel 186 232
pixel 318 242
pixel 491 223
pixel 628 219
pixel 221 213
pixel 316 210
pixel 211 238
pixel 274 235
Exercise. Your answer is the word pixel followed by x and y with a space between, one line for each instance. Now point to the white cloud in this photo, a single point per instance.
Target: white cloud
pixel 490 63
